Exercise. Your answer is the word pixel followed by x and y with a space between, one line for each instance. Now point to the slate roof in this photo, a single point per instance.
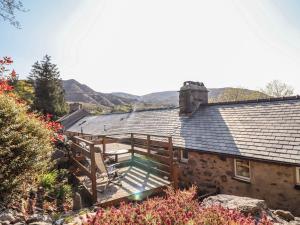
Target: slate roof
pixel 267 130
pixel 68 120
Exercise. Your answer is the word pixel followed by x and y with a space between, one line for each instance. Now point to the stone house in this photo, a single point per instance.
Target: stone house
pixel 247 148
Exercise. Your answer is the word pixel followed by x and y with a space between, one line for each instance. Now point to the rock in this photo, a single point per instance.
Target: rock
pixel 5 222
pixel 77 221
pixel 285 215
pixel 294 222
pixel 19 220
pixel 243 204
pixel 39 218
pixel 40 223
pixel 59 222
pixel 57 154
pixel 7 215
pixel 77 202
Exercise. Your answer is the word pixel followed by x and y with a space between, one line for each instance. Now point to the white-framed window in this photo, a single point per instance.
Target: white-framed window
pixel 184 155
pixel 242 169
pixel 298 175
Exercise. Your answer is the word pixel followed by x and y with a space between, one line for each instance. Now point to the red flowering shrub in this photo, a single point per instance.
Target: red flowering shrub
pixel 178 207
pixel 6 78
pixel 26 139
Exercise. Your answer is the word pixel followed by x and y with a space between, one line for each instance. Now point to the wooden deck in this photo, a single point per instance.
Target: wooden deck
pixel 146 169
pixel 136 184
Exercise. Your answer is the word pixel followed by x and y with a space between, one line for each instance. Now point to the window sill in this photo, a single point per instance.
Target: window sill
pixel 297 186
pixel 185 161
pixel 246 181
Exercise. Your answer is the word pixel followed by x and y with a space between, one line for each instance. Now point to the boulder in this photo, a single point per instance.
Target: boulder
pixel 294 223
pixel 285 215
pixel 57 154
pixel 245 205
pixel 40 223
pixel 77 201
pixel 59 221
pixel 7 215
pixel 38 218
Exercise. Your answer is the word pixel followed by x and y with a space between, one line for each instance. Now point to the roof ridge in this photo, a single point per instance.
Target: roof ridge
pixel 259 100
pixel 139 110
pixel 71 114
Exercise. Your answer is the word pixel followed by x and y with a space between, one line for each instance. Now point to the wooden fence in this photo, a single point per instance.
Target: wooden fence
pixel 153 153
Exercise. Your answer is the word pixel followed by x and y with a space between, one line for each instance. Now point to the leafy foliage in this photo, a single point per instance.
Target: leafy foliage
pixel 26 139
pixel 48 180
pixel 25 143
pixel 24 90
pixel 178 207
pixel 64 191
pixel 8 10
pixel 49 93
pixel 277 88
pixel 122 108
pixel 58 191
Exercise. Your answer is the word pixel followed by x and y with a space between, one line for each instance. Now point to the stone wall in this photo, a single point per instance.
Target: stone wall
pixel 272 182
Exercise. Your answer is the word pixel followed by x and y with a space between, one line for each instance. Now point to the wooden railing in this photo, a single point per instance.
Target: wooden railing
pixel 153 153
pixel 89 152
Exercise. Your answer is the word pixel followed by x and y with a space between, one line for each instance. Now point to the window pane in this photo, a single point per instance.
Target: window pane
pixel 185 154
pixel 242 168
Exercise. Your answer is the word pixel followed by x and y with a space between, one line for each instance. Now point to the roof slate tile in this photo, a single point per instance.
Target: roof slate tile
pixel 264 130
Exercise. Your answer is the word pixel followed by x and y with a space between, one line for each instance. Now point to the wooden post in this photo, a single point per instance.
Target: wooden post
pixel 170 148
pixel 179 152
pixel 93 173
pixel 172 174
pixel 132 146
pixel 175 174
pixel 104 145
pixel 148 144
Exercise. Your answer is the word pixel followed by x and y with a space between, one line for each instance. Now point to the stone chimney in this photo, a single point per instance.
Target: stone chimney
pixel 191 96
pixel 74 107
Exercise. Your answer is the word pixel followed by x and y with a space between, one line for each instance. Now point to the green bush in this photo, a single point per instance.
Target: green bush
pixel 48 180
pixel 25 145
pixel 64 191
pixel 63 175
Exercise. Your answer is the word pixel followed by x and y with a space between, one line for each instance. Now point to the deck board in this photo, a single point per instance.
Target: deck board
pixel 136 184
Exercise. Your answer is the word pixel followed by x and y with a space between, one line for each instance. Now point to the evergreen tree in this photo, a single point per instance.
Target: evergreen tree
pixel 49 93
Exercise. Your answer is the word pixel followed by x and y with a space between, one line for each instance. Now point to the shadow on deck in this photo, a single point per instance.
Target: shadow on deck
pixel 136 185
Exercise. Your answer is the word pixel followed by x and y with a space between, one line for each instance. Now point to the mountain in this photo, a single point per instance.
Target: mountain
pixel 164 97
pixel 120 101
pixel 172 97
pixel 126 95
pixel 77 92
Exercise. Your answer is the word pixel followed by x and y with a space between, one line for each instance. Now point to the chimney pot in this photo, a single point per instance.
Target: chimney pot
pixel 74 106
pixel 191 95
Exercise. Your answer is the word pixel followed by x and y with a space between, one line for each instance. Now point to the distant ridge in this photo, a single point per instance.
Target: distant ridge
pixel 77 92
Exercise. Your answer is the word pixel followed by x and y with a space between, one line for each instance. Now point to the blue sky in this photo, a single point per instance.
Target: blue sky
pixel 141 46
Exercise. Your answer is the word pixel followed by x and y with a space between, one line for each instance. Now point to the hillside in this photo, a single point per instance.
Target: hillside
pixel 77 92
pixel 120 101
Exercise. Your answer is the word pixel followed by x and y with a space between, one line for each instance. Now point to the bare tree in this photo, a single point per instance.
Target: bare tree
pixel 8 9
pixel 277 88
